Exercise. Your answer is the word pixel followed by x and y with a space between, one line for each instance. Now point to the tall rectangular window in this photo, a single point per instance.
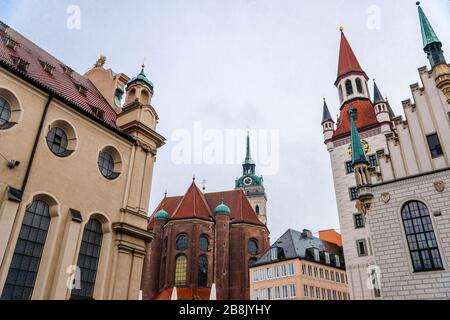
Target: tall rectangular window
pixel 305 291
pixel 283 270
pixel 434 145
pixel 28 252
pixel 293 289
pixel 361 246
pixel 285 292
pixel 277 293
pixel 277 271
pixel 359 221
pixel 353 193
pixel 303 269
pixel 349 167
pixel 373 161
pixel 291 269
pixel 274 253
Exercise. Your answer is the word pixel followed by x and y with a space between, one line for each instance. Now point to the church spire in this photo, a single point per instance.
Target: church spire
pixel 377 96
pixel 348 63
pixel 431 43
pixel 326 113
pixel 248 157
pixel 358 153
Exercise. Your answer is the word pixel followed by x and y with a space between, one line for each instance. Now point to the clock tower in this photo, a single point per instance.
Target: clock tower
pixel 253 186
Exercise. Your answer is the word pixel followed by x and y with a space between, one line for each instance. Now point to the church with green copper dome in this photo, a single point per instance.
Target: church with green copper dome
pixel 253 185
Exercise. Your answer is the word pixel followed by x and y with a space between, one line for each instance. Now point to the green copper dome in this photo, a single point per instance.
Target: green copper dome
pixel 222 209
pixel 141 77
pixel 162 215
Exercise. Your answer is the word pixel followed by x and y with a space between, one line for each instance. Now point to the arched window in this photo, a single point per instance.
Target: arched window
pixel 28 252
pixel 204 243
pixel 253 247
pixel 203 271
pixel 422 241
pixel 182 242
pixel 341 93
pixel 5 111
pixel 349 87
pixel 257 210
pixel 88 258
pixel 359 86
pixel 181 271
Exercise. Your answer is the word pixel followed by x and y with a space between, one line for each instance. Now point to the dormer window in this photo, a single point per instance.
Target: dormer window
pixel 20 64
pixel 3 27
pixel 81 89
pixel 316 255
pixel 47 67
pixel 68 71
pixel 11 44
pixel 274 253
pixel 99 113
pixel 327 258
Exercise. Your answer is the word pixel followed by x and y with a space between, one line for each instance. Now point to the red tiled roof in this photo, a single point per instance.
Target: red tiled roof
pixel 195 204
pixel 186 294
pixel 58 82
pixel 348 63
pixel 365 117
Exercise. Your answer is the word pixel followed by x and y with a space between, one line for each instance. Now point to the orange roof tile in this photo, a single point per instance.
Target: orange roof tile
pixel 365 117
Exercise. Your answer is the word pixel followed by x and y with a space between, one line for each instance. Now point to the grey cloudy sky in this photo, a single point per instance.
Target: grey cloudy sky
pixel 236 64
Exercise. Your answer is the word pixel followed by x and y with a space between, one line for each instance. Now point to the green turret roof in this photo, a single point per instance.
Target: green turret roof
pixel 141 77
pixel 428 34
pixel 358 154
pixel 162 215
pixel 222 209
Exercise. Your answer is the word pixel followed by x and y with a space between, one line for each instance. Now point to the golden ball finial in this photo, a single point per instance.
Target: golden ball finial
pixel 341 28
pixel 143 66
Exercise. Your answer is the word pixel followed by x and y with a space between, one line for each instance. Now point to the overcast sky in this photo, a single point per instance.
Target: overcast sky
pixel 238 64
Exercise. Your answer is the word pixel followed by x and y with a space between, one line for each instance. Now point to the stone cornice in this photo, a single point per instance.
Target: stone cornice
pixel 125 228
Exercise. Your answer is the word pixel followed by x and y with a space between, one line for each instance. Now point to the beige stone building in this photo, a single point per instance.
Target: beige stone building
pixel 300 267
pixel 75 176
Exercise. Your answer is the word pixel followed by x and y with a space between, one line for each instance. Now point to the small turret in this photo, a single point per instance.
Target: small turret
pixel 382 109
pixel 327 124
pixel 222 243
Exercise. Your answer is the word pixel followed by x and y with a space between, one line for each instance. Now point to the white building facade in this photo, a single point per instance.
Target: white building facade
pixel 408 165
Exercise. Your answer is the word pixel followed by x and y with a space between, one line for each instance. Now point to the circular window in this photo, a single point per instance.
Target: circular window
pixel 109 163
pixel 182 242
pixel 5 111
pixel 204 243
pixel 57 142
pixel 253 247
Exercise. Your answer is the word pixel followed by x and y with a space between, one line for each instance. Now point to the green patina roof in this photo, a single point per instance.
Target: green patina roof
pixel 141 77
pixel 358 154
pixel 428 34
pixel 248 157
pixel 222 209
pixel 162 215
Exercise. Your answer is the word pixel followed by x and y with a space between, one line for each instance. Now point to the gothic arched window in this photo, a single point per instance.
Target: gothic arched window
pixel 253 247
pixel 359 86
pixel 421 238
pixel 204 243
pixel 203 271
pixel 181 271
pixel 182 242
pixel 257 210
pixel 349 87
pixel 28 252
pixel 341 94
pixel 88 259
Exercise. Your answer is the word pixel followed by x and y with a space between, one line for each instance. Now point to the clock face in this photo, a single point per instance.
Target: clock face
pixel 248 181
pixel 365 145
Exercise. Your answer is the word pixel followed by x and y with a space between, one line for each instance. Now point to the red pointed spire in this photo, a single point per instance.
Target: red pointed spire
pixel 348 64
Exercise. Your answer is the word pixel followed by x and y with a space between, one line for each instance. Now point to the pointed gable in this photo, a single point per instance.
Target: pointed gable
pixel 193 205
pixel 348 63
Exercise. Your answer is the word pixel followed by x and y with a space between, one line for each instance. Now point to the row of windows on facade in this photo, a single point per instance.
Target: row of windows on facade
pixel 277 253
pixel 420 236
pixel 324 294
pixel 274 272
pixel 182 244
pixel 316 272
pixel 30 245
pixel 277 293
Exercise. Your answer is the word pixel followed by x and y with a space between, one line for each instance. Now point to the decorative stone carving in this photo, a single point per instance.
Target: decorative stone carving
pixel 386 197
pixel 439 186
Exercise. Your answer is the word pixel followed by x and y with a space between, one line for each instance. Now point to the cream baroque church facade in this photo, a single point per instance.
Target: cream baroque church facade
pixel 75 176
pixel 395 216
